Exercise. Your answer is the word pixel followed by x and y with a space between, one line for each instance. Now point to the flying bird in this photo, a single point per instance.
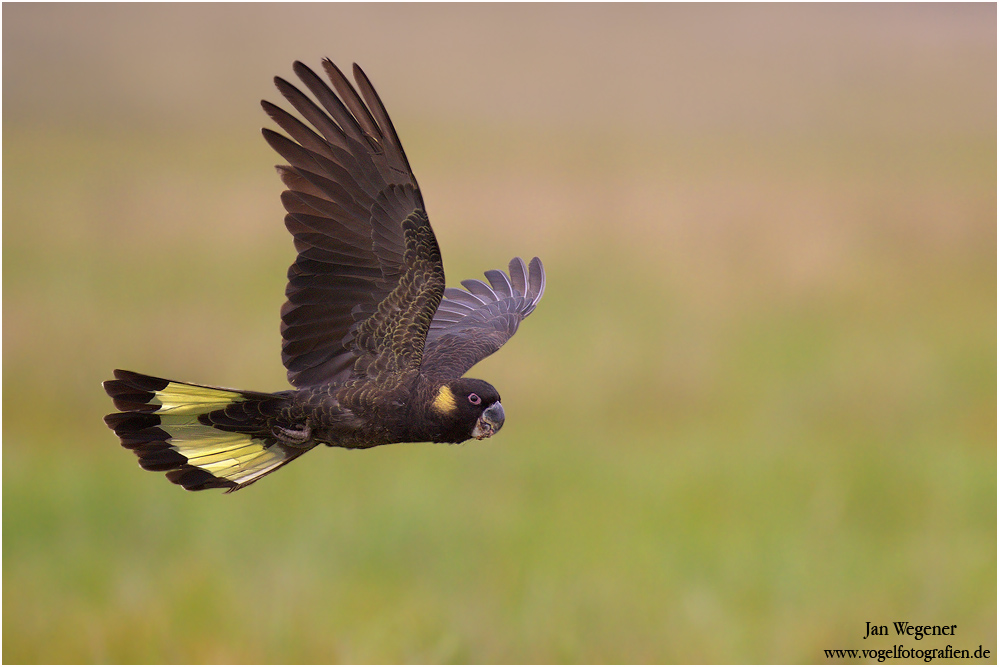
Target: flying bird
pixel 375 345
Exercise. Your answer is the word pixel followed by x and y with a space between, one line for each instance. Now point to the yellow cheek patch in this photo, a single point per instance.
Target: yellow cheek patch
pixel 445 401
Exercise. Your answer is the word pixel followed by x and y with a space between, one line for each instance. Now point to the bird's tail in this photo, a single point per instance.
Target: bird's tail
pixel 202 437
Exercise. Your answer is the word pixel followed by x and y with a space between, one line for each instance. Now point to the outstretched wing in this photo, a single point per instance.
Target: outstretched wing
pixel 472 323
pixel 369 276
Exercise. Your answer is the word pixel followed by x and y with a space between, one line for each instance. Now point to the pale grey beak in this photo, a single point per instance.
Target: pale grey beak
pixel 490 421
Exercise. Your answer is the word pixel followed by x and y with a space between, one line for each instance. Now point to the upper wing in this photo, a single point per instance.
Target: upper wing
pixel 470 325
pixel 369 276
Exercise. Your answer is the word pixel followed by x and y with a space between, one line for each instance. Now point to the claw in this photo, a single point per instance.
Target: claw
pixel 292 436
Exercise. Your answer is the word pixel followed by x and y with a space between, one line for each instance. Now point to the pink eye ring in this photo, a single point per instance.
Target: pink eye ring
pixel 474 399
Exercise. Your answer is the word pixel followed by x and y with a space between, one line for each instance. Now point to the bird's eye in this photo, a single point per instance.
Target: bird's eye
pixel 474 399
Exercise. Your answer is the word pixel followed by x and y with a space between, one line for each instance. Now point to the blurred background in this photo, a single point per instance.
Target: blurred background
pixel 755 410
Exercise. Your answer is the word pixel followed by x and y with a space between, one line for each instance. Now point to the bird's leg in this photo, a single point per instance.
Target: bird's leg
pixel 295 437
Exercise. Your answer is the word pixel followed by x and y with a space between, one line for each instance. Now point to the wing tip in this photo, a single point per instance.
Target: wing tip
pixel 536 268
pixel 533 274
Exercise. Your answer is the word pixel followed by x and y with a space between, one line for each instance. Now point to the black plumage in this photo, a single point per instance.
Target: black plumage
pixel 374 343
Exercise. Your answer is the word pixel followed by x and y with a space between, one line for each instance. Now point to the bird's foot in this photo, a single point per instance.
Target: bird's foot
pixel 296 437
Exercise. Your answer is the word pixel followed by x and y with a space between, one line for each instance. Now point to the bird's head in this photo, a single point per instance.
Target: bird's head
pixel 467 408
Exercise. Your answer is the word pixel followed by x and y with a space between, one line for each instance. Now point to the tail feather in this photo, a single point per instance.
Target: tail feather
pixel 203 437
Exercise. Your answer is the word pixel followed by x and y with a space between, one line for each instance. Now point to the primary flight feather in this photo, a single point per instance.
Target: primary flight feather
pixel 374 343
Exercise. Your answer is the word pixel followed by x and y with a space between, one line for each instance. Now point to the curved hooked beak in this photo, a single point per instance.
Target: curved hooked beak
pixel 490 421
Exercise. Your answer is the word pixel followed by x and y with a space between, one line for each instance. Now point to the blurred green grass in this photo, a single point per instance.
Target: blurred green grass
pixel 755 410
